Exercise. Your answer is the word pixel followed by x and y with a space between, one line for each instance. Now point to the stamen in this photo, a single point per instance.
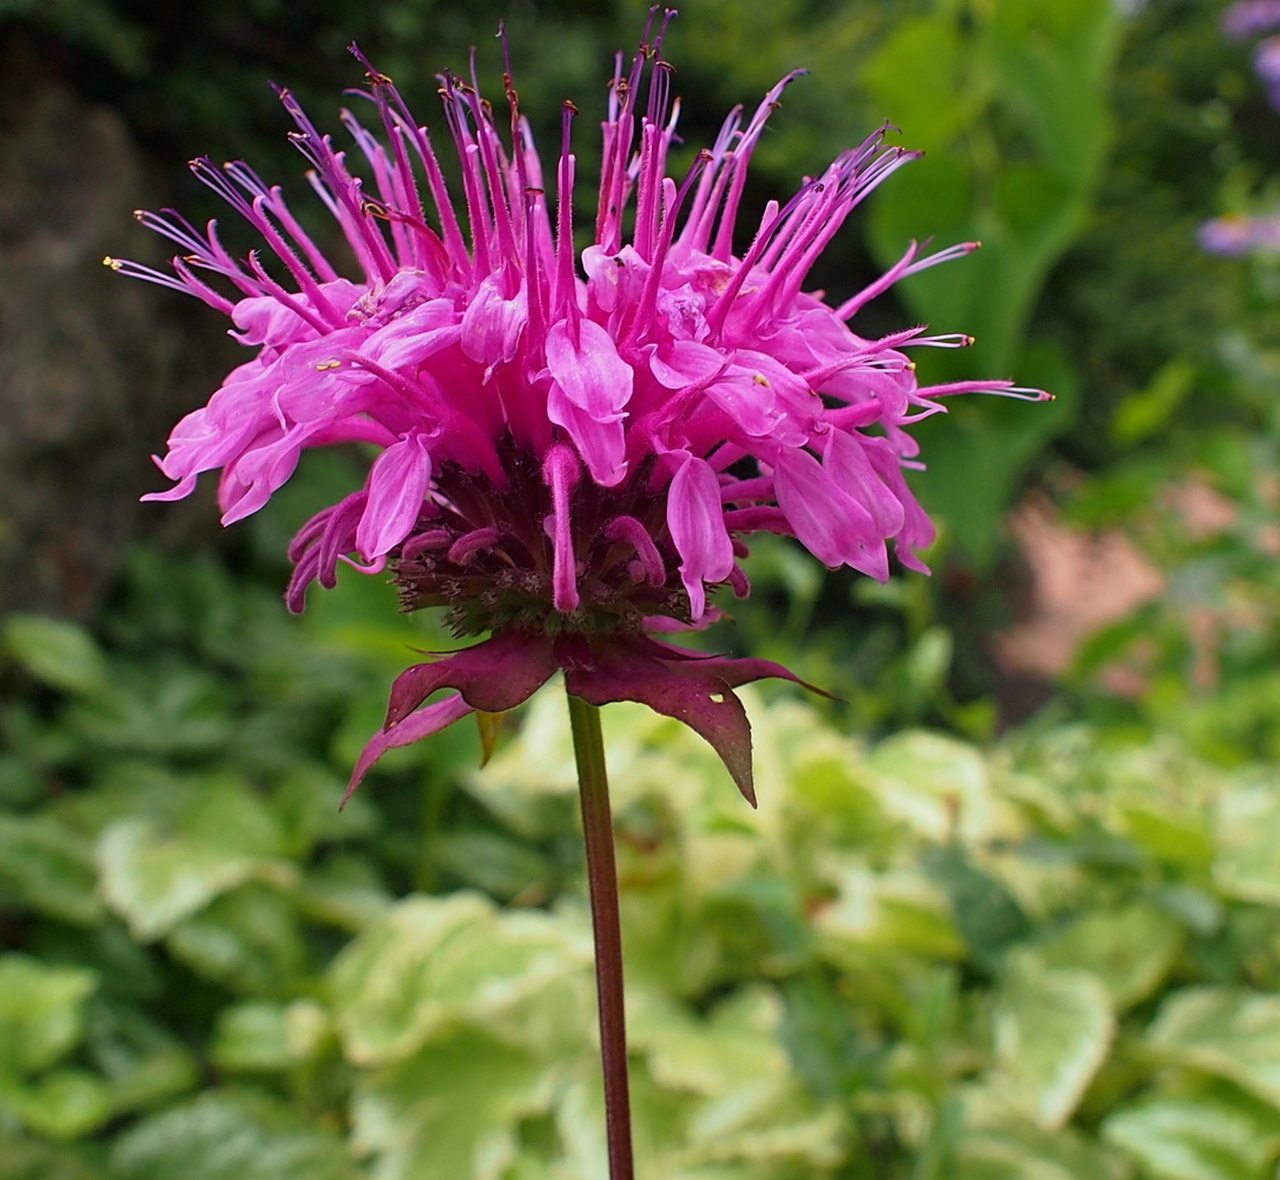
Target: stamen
pixel 991 388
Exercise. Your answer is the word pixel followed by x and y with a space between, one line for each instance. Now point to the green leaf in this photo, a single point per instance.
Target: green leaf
pixel 304 811
pixel 62 1104
pixel 452 1109
pixel 1054 60
pixel 259 1036
pixel 1021 72
pixel 32 1159
pixel 1174 833
pixel 143 1063
pixel 1146 411
pixel 932 197
pixel 1011 1151
pixel 249 939
pixel 21 785
pixel 931 104
pixel 429 962
pixel 1129 949
pixel 986 914
pixel 928 664
pixel 153 878
pixel 126 969
pixel 48 866
pixel 57 652
pixel 41 1012
pixel 226 812
pixel 734 1082
pixel 1232 1033
pixel 346 889
pixel 736 1044
pixel 494 863
pixel 1053 1030
pixel 183 713
pixel 231 1134
pixel 1196 1139
pixel 900 911
pixel 1248 862
pixel 937 785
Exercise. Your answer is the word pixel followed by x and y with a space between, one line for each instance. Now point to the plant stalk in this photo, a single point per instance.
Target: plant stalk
pixel 602 880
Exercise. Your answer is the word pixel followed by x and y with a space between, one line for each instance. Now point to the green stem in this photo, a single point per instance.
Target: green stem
pixel 602 880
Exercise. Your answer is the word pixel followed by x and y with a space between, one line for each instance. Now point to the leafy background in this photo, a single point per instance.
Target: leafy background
pixel 1009 911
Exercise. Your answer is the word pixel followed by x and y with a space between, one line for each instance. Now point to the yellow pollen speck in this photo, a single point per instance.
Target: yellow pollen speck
pixel 760 379
pixel 911 366
pixel 325 366
pixel 114 263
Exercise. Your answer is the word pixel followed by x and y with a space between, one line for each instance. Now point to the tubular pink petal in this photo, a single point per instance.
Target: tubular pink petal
pixel 588 370
pixel 339 536
pixel 492 324
pixel 695 517
pixel 397 486
pixel 560 473
pixel 602 444
pixel 629 531
pixel 683 363
pixel 832 525
pixel 464 549
pixel 179 491
pixel 845 458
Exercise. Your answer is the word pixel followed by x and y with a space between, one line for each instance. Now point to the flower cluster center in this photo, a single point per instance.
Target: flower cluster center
pixel 485 554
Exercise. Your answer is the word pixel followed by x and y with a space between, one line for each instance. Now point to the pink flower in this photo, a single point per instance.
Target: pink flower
pixel 570 445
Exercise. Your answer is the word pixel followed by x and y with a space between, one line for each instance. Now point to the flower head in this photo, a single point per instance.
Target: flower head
pixel 570 445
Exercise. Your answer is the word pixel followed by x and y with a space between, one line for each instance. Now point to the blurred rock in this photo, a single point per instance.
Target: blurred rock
pixel 1080 583
pixel 94 375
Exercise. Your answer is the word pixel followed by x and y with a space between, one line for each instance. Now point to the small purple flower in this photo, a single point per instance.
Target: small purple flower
pixel 570 445
pixel 1266 64
pixel 1246 18
pixel 1236 235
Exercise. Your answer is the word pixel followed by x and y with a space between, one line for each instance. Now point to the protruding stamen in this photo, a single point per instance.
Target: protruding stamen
pixel 991 388
pixel 563 299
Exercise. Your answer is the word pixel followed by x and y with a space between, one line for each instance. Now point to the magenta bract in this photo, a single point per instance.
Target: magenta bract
pixel 508 668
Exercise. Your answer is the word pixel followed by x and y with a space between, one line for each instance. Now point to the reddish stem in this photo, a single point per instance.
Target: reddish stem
pixel 602 880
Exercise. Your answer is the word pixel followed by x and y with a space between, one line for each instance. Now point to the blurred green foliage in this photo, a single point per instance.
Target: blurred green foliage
pixel 1015 114
pixel 1053 956
pixel 934 953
